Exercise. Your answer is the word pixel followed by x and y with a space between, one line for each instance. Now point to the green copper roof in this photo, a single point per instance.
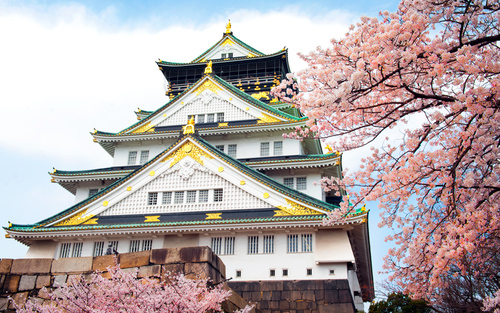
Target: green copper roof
pixel 264 179
pixel 232 37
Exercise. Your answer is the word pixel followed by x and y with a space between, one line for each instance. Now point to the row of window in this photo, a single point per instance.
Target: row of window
pixel 284 273
pixel 299 183
pixel 231 149
pixel 189 196
pixel 295 243
pixel 132 157
pixel 74 249
pixel 208 118
pixel 265 148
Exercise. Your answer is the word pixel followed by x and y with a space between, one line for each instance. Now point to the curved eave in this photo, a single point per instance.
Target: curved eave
pixel 167 64
pixel 108 140
pixel 295 163
pixel 28 233
pixel 70 182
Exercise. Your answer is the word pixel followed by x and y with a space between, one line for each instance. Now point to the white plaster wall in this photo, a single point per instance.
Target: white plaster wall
pixel 42 249
pixel 155 147
pixel 82 192
pixel 333 246
pixel 313 177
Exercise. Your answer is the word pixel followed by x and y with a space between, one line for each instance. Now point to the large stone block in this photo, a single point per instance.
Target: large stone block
pixel 5 266
pixel 31 266
pixel 4 303
pixel 27 282
pixel 172 269
pixel 159 256
pixel 101 263
pixel 60 280
pixel 196 270
pixel 72 265
pixel 271 285
pixel 43 281
pixel 19 298
pixel 195 254
pixel 11 283
pixel 336 308
pixel 149 271
pixel 134 259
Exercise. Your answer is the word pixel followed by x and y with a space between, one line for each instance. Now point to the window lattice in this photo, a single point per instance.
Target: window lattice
pixel 147 244
pixel 264 148
pixel 191 196
pixel 203 196
pixel 232 150
pixel 278 148
pixel 269 244
pixel 229 245
pixel 217 245
pixel 136 202
pixel 65 250
pixel 306 242
pixel 301 183
pixel 98 248
pixel 288 182
pixel 135 245
pixel 292 245
pixel 144 156
pixel 152 198
pixel 229 112
pixel 132 157
pixel 77 249
pixel 253 244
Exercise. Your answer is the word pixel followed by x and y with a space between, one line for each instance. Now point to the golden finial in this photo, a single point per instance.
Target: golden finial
pixel 54 170
pixel 228 27
pixel 363 208
pixel 208 69
pixel 189 128
pixel 10 224
pixel 329 149
pixel 95 131
pixel 138 110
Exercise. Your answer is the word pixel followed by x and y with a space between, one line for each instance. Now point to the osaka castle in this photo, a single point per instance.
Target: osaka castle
pixel 211 168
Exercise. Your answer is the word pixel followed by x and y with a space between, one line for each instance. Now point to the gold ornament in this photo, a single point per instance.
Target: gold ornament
pixel 187 149
pixel 296 209
pixel 153 218
pixel 207 85
pixel 213 216
pixel 75 219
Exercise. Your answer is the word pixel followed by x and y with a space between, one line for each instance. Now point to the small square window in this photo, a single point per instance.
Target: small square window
pixel 272 273
pixel 264 149
pixel 93 192
pixel 332 272
pixel 223 55
pixel 288 182
pixel 191 196
pixel 231 150
pixel 144 156
pixel 200 118
pixel 167 198
pixel 218 195
pixel 230 55
pixel 203 196
pixel 220 147
pixel 285 272
pixel 301 183
pixel 179 197
pixel 238 273
pixel 132 157
pixel 152 198
pixel 220 117
pixel 210 118
pixel 278 148
pixel 309 271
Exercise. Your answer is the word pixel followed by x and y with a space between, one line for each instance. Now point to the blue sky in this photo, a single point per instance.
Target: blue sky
pixel 67 67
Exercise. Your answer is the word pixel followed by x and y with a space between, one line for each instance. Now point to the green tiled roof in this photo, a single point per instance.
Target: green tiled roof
pixel 240 166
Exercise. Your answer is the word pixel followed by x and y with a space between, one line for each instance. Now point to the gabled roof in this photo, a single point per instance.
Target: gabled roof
pixel 224 38
pixel 78 210
pixel 261 106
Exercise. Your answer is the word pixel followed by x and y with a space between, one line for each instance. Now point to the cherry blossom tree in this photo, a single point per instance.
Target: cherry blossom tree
pixel 432 68
pixel 123 292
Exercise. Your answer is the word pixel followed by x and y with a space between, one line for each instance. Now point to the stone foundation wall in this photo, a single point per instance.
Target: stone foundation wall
pixel 304 296
pixel 23 278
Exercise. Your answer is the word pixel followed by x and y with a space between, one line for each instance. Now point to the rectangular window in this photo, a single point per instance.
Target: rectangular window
pixel 144 156
pixel 253 244
pixel 285 272
pixel 220 117
pixel 223 55
pixel 229 245
pixel 135 245
pixel 264 149
pixel 292 245
pixel 309 272
pixel 191 196
pixel 288 182
pixel 272 272
pixel 166 198
pixel 152 198
pixel 220 147
pixel 231 150
pixel 217 245
pixel 238 273
pixel 77 250
pixel 179 197
pixel 203 196
pixel 230 55
pixel 278 148
pixel 147 245
pixel 93 192
pixel 200 118
pixel 301 183
pixel 132 157
pixel 306 240
pixel 218 195
pixel 65 250
pixel 113 244
pixel 269 244
pixel 210 118
pixel 98 248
